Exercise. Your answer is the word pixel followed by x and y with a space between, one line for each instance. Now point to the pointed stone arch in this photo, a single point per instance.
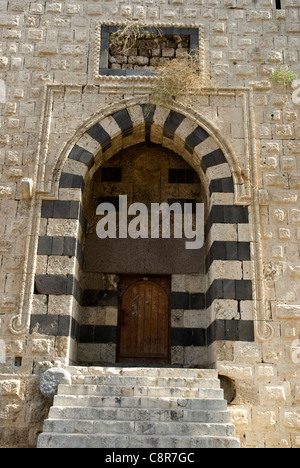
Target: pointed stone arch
pixel 188 134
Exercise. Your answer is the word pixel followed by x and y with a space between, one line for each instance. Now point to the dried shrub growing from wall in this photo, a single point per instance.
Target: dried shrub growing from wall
pixel 182 77
pixel 126 37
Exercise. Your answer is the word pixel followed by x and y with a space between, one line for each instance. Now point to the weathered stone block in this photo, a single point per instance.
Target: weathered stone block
pixel 291 419
pixel 239 416
pixel 274 394
pixel 51 379
pixel 288 311
pixel 236 371
pixel 52 284
pixel 265 418
pixel 10 387
pixel 41 346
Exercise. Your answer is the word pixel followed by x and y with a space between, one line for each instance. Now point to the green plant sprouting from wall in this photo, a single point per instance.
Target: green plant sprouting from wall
pixel 284 76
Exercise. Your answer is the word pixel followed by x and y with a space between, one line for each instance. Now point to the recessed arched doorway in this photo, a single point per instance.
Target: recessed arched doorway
pixel 142 303
pixel 210 310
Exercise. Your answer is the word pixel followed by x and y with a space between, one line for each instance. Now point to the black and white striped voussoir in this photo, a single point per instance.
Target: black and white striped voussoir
pixel 170 126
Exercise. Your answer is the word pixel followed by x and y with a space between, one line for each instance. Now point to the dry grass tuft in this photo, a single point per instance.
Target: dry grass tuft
pixel 179 77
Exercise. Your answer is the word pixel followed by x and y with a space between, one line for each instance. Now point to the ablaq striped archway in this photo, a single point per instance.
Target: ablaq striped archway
pixel 227 234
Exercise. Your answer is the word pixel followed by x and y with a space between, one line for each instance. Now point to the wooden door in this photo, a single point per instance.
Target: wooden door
pixel 144 320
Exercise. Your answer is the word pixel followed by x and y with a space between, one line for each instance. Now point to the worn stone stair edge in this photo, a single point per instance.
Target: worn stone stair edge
pixel 54 440
pixel 145 402
pixel 138 414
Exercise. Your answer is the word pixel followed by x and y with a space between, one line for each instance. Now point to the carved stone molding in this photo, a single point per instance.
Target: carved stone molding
pixel 109 81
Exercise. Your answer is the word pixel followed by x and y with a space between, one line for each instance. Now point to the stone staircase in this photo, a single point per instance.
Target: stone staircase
pixel 139 408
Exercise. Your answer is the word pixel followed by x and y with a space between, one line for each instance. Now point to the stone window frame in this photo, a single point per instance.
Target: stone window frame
pixel 195 31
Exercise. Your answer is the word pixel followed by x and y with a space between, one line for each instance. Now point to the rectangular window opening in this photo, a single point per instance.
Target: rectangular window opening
pixel 183 176
pixel 18 361
pixel 278 4
pixel 148 52
pixel 111 174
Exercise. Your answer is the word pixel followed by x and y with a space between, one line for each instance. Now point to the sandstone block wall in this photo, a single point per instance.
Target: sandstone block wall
pixel 52 93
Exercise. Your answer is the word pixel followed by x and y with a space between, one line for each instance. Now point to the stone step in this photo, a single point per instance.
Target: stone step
pixel 197 404
pixel 123 391
pixel 136 381
pixel 55 440
pixel 139 414
pixel 139 408
pixel 80 426
pixel 143 372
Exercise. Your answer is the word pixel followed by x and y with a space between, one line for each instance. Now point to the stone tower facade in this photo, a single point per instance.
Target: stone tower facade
pixel 76 128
